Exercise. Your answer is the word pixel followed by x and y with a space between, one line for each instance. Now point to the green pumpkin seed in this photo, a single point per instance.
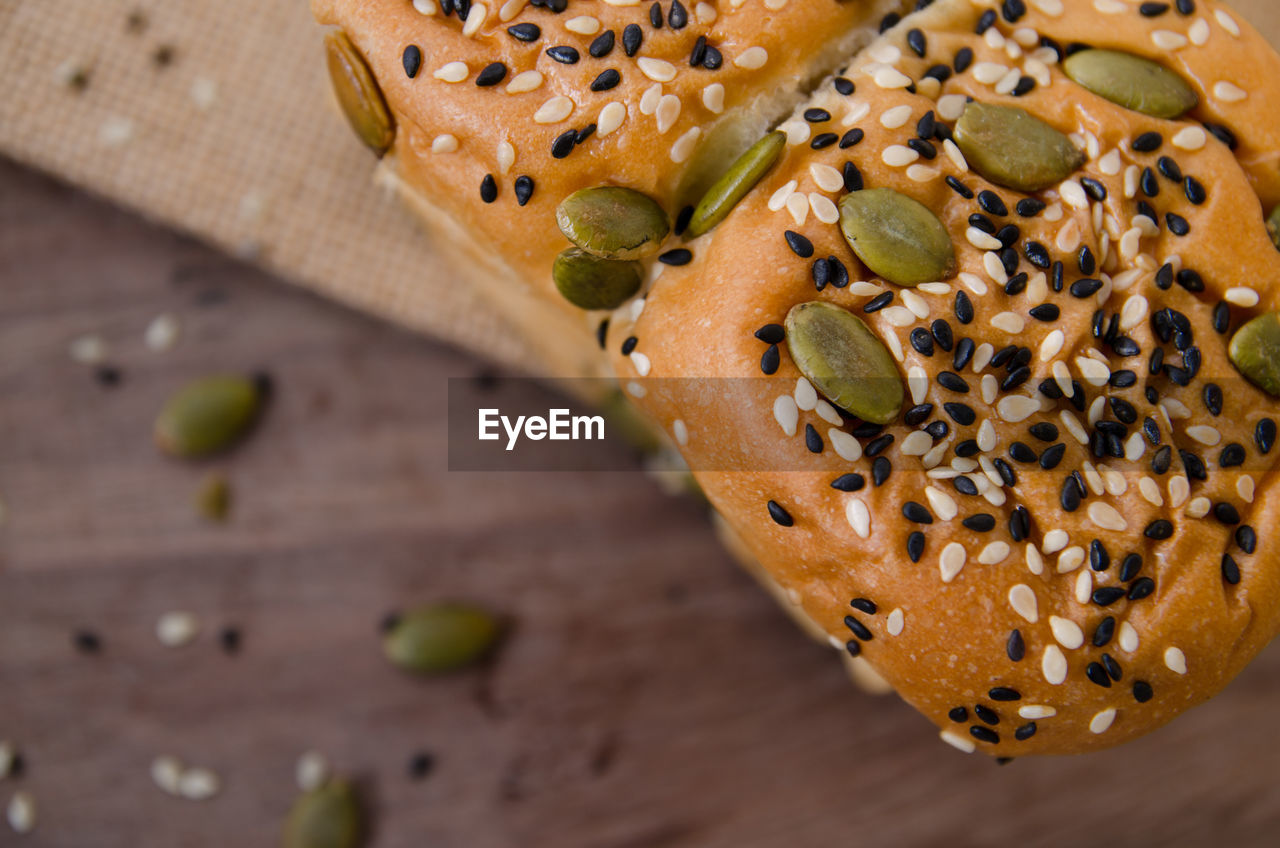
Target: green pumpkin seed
pixel 1273 227
pixel 845 361
pixel 213 499
pixel 742 176
pixel 1132 82
pixel 208 415
pixel 1255 351
pixel 589 282
pixel 440 638
pixel 358 93
pixel 327 817
pixel 613 222
pixel 897 237
pixel 1012 148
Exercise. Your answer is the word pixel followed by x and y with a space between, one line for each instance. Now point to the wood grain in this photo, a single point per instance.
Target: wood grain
pixel 650 694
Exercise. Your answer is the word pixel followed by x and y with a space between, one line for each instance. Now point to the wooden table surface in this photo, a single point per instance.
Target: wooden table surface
pixel 650 694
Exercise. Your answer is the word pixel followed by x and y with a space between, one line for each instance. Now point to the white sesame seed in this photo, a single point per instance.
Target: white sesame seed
pixel 1070 559
pixel 667 112
pixel 918 306
pixel 887 77
pixel 826 177
pixel 856 112
pixel 1009 81
pixel 787 414
pixel 917 383
pixel 611 117
pixel 859 517
pixel 1175 660
pixel 895 117
pixel 1110 7
pixel 922 173
pixel 1067 632
pixel 845 445
pixel 951 106
pixel 705 13
pixel 583 25
pixel 1127 637
pixel 21 812
pixel 1168 40
pixel 1204 434
pixel 680 431
pixel 960 743
pixel 1084 587
pixel 1227 22
pixel 1199 507
pixel 942 504
pixel 798 132
pixel 1229 92
pixel 986 435
pixel 509 9
pixel 1009 322
pixel 990 387
pixel 982 240
pixel 895 622
pixel 200 784
pixel 1023 600
pixel 166 773
pixel 1068 237
pixel 916 443
pixel 1198 32
pixel 641 363
pixel 162 332
pixel 1190 138
pixel 989 73
pixel 1016 408
pixel 1241 296
pixel 752 58
pixel 1035 563
pixel 951 561
pixel 934 288
pixel 1035 711
pixel 452 72
pixel 1101 722
pixel 683 147
pixel 1053 665
pixel 1245 488
pixel 713 98
pixel 1106 516
pixel 554 110
pixel 658 70
pixel 425 7
pixel 88 350
pixel 994 553
pixel 898 316
pixel 898 156
pixel 982 356
pixel 507 154
pixel 475 19
pixel 312 771
pixel 176 629
pixel 778 201
pixel 1052 344
pixel 798 206
pixel 823 208
pixel 1055 540
pixel 1073 426
pixel 828 413
pixel 1179 491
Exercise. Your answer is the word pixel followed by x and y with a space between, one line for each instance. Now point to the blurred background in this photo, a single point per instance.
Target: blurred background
pixel 185 642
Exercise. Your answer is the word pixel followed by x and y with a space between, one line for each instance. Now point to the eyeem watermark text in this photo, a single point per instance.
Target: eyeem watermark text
pixel 559 425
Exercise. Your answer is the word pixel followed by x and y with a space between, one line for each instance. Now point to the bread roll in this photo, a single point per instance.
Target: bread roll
pixel 963 369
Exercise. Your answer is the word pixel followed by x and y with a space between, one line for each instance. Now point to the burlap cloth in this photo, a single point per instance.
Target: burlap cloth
pixel 215 118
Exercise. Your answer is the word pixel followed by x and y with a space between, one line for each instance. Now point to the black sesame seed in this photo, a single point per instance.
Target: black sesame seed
pixel 602 45
pixel 713 58
pixel 1226 513
pixel 606 80
pixel 853 647
pixel 967 448
pixel 924 148
pixel 1105 596
pixel 632 37
pixel 1142 691
pixel 412 60
pixel 927 126
pixel 771 333
pixel 960 188
pixel 488 189
pixel 1193 465
pixel 655 16
pixel 1037 254
pixel 817 116
pixel 851 138
pixel 915 545
pixel 917 415
pixel 1153 10
pixel 1025 732
pixel 491 75
pixel 963 60
pixel 1070 496
pixel 863 605
pixel 1103 633
pixel 1004 693
pixel 564 143
pixel 960 413
pixel 602 333
pixel 858 629
pixel 1230 570
pixel 823 140
pixel 1057 276
pixel 1185 7
pixel 964 353
pixel 682 219
pixel 984 734
pixel 1148 183
pixel 564 54
pixel 953 382
pixel 523 186
pixel 878 302
pixel 1085 287
pixel 1022 452
pixel 1264 435
pixel 525 32
pixel 770 360
pixel 1195 191
pixel 985 714
pixel 917 42
pixel 1014 647
pixel 1177 224
pixel 1148 142
pixel 889 21
pixel 1097 674
pixel 629 345
pixel 852 176
pixel 963 308
pixel 811 438
pixel 983 522
pixel 844 86
pixel 779 515
pixel 1013 10
pixel 86 641
pixel 916 513
pixel 958 714
pixel 880 470
pixel 1161 460
pixel 921 341
pixel 1247 538
pixel 1099 559
pixel 1096 190
pixel 678 16
pixel 420 765
pixel 1141 588
pixel 1123 378
pixel 1169 169
pixel 964 486
pixel 799 245
pixel 1232 456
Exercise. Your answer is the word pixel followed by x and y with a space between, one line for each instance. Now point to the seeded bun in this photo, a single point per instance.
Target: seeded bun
pixel 449 136
pixel 1080 614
